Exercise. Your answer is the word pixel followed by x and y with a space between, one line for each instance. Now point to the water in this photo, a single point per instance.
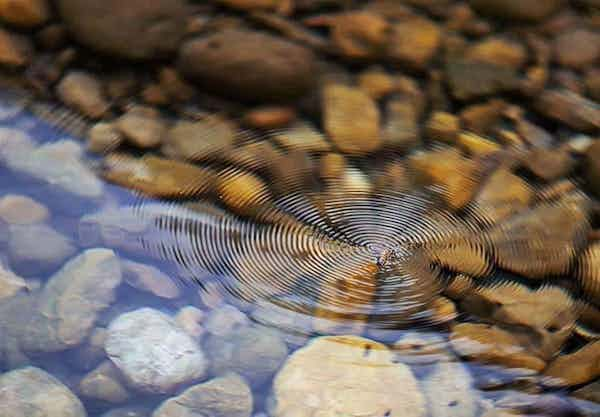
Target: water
pixel 245 279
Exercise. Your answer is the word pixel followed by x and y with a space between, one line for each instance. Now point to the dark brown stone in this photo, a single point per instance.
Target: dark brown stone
pixel 527 10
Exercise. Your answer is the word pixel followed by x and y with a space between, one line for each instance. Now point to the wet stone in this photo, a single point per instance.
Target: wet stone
pixel 225 396
pixel 19 209
pixel 270 117
pixel 104 384
pixel 190 319
pixel 147 29
pixel 449 391
pixel 10 283
pixel 24 13
pixel 142 126
pixel 469 79
pixel 359 35
pixel 128 411
pixel 569 108
pixel 413 42
pixel 71 301
pixel 15 50
pixel 254 352
pixel 422 348
pixel 272 68
pixel 401 130
pixel 225 321
pixel 152 352
pixel 576 48
pixel 592 167
pixel 575 368
pixel 498 51
pixel 443 127
pixel 27 389
pixel 83 92
pixel 527 10
pixel 150 279
pixel 103 138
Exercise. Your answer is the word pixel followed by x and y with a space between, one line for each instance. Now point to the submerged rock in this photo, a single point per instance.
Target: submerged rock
pixel 255 353
pixel 104 384
pixel 31 391
pixel 346 375
pixel 69 304
pixel 449 391
pixel 83 92
pixel 24 13
pixel 225 396
pixel 529 10
pixel 153 352
pixel 20 209
pixel 576 368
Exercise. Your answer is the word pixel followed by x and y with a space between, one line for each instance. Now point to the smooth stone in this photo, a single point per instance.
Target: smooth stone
pixel 225 320
pixel 20 209
pixel 37 249
pixel 527 10
pixel 345 376
pixel 71 301
pixel 422 348
pixel 577 48
pixel 16 51
pixel 147 29
pixel 449 391
pixel 10 283
pixel 150 279
pixel 103 138
pixel 190 319
pixel 30 391
pixel 255 353
pixel 153 353
pixel 469 79
pixel 103 383
pixel 225 396
pixel 83 92
pixel 142 127
pixel 91 353
pixel 413 42
pixel 24 13
pixel 249 65
pixel 572 109
pixel 575 368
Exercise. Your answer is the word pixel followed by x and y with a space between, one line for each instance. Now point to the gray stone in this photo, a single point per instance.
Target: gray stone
pixel 153 353
pixel 226 396
pixel 29 392
pixel 104 383
pixel 255 353
pixel 71 301
pixel 225 320
pixel 37 249
pixel 449 391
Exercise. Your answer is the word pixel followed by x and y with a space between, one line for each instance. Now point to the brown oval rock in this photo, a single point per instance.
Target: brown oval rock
pixel 135 29
pixel 577 48
pixel 24 13
pixel 530 10
pixel 249 65
pixel 15 50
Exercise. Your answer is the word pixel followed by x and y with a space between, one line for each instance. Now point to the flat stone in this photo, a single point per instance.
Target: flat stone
pixel 104 384
pixel 249 65
pixel 153 352
pixel 351 119
pixel 469 79
pixel 449 391
pixel 31 391
pixel 225 396
pixel 147 29
pixel 24 13
pixel 150 279
pixel 345 375
pixel 20 209
pixel 413 42
pixel 576 48
pixel 190 319
pixel 83 92
pixel 103 138
pixel 569 108
pixel 498 51
pixel 304 137
pixel 142 127
pixel 576 368
pixel 16 51
pixel 71 301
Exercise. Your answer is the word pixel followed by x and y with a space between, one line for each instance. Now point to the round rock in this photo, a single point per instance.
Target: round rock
pixel 153 352
pixel 346 376
pixel 249 65
pixel 135 29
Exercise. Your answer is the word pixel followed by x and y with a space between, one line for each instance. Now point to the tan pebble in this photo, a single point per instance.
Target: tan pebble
pixel 401 128
pixel 393 178
pixel 575 368
pixel 302 136
pixel 150 279
pixel 477 145
pixel 24 13
pixel 243 192
pixel 270 117
pixel 481 118
pixel 83 92
pixel 253 156
pixel 103 383
pixel 376 83
pixel 142 126
pixel 174 86
pixel 15 51
pixel 18 209
pixel 498 51
pixel 535 80
pixel 154 95
pixel 509 138
pixel 103 138
pixel 413 42
pixel 460 286
pixel 253 5
pixel 10 283
pixel 443 310
pixel 190 320
pixel 549 164
pixel 569 108
pixel 359 34
pixel 443 126
pixel 351 119
pixel 332 166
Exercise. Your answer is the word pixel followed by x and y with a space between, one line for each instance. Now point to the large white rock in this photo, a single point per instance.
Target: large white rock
pixel 30 391
pixel 449 391
pixel 153 352
pixel 346 376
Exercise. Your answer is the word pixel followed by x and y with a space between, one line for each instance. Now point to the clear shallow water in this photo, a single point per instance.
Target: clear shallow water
pixel 251 335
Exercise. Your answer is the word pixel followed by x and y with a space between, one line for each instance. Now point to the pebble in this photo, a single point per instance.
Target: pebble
pixel 206 139
pixel 376 83
pixel 351 119
pixel 481 118
pixel 592 167
pixel 401 128
pixel 103 138
pixel 153 353
pixel 579 367
pixel 422 348
pixel 588 270
pixel 345 375
pixel 24 13
pixel 359 35
pixel 190 319
pixel 592 83
pixel 272 117
pixel 83 92
pixel 89 354
pixel 37 249
pixel 449 391
pixel 147 29
pixel 15 50
pixel 71 301
pixel 10 283
pixel 142 127
pixel 254 352
pixel 243 192
pixel 498 51
pixel 413 42
pixel 469 79
pixel 526 10
pixel 286 69
pixel 104 384
pixel 443 127
pixel 225 396
pixel 569 108
pixel 20 209
pixel 225 320
pixel 577 48
pixel 549 164
pixel 150 279
pixel 31 390
pixel 302 136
